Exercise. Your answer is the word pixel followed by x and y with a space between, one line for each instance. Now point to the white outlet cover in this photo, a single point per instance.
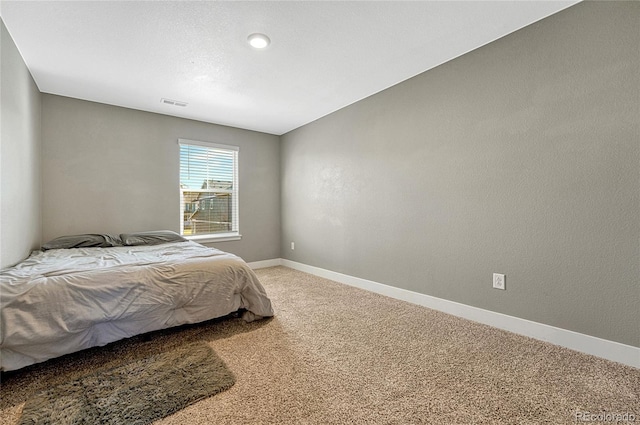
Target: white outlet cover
pixel 499 281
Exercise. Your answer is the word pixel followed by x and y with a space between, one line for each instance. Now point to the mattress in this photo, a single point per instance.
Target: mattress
pixel 64 300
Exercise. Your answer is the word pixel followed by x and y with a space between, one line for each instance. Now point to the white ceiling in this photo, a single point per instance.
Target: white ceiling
pixel 323 56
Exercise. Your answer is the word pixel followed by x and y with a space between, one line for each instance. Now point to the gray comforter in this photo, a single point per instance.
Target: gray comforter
pixel 64 300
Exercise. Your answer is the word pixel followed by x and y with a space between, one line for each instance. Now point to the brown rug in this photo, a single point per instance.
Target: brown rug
pixel 137 393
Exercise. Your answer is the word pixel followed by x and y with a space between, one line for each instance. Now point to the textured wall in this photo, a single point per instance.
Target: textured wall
pixel 521 157
pixel 111 169
pixel 20 142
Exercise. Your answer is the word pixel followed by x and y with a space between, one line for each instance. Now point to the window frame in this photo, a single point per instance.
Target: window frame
pixel 233 235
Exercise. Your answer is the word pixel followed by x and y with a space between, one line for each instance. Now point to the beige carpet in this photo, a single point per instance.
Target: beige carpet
pixel 335 354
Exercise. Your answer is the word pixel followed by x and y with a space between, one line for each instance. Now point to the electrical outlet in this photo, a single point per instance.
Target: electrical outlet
pixel 293 246
pixel 499 281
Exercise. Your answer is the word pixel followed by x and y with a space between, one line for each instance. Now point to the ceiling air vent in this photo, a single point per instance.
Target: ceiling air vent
pixel 173 102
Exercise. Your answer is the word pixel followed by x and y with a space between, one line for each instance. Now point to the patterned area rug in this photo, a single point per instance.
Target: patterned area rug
pixel 137 393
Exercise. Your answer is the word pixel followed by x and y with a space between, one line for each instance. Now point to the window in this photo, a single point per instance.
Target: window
pixel 208 191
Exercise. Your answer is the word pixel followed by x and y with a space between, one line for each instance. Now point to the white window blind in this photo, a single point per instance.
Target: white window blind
pixel 208 189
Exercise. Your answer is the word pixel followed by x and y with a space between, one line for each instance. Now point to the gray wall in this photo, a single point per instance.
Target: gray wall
pixel 20 141
pixel 111 169
pixel 521 157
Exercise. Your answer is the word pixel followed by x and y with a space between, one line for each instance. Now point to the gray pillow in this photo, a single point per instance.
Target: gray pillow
pixel 151 238
pixel 92 240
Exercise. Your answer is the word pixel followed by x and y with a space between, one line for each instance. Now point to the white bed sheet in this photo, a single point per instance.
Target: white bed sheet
pixel 64 300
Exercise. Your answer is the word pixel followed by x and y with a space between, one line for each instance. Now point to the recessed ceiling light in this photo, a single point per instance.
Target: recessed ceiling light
pixel 258 41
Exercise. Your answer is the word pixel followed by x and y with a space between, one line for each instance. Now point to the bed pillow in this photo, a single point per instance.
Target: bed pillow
pixel 151 238
pixel 92 240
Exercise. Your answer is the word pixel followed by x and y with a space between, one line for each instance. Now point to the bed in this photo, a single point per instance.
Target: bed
pixel 63 300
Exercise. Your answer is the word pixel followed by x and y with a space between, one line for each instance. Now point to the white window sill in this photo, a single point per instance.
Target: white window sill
pixel 217 237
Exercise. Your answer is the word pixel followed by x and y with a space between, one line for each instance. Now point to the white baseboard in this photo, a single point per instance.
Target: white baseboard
pixel 265 263
pixel 610 350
